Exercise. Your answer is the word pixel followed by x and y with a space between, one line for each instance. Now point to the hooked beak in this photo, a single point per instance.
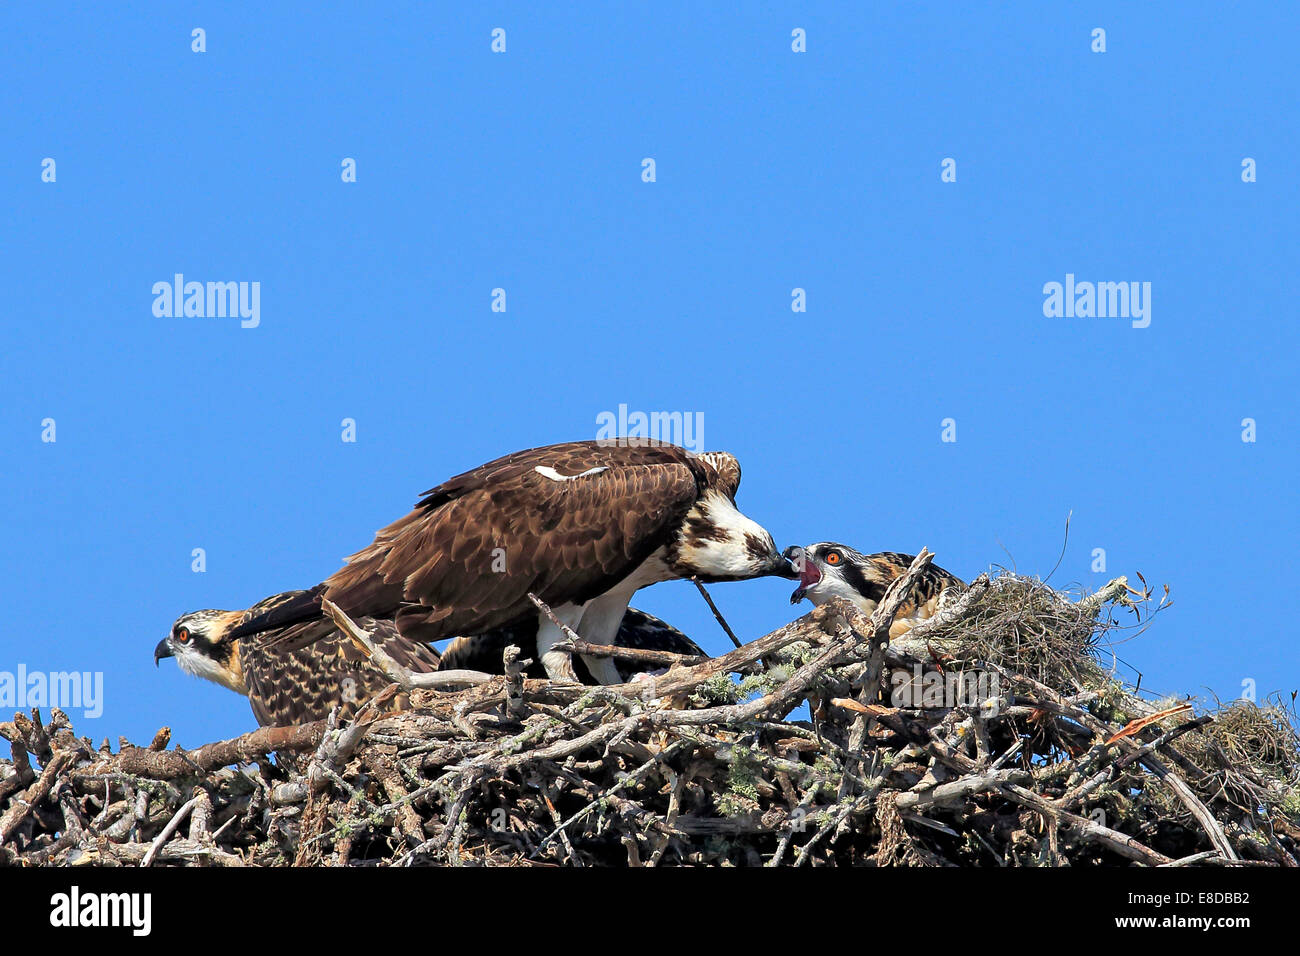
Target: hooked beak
pixel 785 567
pixel 163 649
pixel 805 570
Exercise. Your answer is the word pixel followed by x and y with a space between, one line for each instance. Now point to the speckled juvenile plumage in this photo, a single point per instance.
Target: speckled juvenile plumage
pixel 829 569
pixel 285 684
pixel 304 684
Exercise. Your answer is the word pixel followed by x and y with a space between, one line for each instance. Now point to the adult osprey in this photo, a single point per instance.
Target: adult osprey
pixel 293 685
pixel 830 570
pixel 583 525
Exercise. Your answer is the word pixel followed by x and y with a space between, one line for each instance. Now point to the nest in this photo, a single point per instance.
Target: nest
pixel 993 734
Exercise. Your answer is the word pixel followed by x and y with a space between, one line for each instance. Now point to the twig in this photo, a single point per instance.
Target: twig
pixel 566 669
pixel 38 791
pixel 168 830
pixel 641 655
pixel 404 677
pixel 716 613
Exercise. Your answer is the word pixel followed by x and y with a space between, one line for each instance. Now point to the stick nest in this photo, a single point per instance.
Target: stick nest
pixel 995 734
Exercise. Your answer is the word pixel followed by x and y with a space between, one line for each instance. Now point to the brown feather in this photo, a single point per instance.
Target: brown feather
pixel 297 686
pixel 565 541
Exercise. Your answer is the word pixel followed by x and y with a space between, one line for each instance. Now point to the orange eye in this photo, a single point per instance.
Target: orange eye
pixel 183 635
pixel 834 557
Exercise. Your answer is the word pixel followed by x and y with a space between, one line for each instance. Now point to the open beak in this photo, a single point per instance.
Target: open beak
pixel 805 570
pixel 162 650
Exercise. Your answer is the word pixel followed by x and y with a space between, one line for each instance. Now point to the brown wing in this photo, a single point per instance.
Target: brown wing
pixel 304 684
pixel 465 559
pixel 267 605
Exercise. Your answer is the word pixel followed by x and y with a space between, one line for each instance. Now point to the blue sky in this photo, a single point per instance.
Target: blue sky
pixel 775 170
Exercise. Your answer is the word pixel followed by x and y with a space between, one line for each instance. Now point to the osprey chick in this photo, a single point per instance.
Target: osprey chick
pixel 583 525
pixel 830 570
pixel 287 686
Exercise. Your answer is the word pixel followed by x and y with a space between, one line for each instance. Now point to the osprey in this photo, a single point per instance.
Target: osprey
pixel 830 570
pixel 583 525
pixel 289 686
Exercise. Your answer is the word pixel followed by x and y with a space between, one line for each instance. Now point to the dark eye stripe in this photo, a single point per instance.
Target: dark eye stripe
pixel 871 590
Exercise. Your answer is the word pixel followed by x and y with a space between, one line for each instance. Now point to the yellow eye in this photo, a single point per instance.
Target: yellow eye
pixel 834 557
